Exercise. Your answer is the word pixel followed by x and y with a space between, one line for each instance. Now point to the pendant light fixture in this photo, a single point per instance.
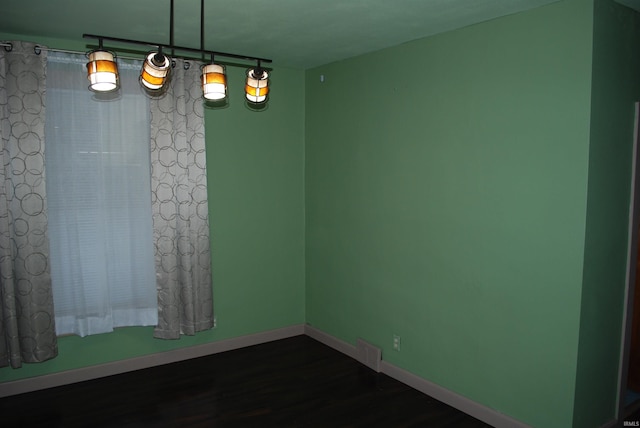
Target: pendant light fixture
pixel 102 70
pixel 257 85
pixel 214 82
pixel 155 71
pixel 214 79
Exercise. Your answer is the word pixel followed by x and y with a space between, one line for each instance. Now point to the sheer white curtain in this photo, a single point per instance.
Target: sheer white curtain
pixel 98 183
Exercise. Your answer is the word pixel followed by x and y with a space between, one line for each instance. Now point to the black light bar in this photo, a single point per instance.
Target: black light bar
pixel 174 47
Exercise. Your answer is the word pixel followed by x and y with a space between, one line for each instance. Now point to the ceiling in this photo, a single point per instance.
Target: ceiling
pixel 294 33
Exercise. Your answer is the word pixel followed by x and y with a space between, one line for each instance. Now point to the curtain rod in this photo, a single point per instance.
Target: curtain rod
pixel 38 48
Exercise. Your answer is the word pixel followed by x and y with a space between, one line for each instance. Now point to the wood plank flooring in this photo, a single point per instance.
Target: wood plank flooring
pixel 295 382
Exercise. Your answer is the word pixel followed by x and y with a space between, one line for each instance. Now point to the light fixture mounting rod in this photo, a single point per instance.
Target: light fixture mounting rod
pixel 175 48
pixel 201 26
pixel 171 27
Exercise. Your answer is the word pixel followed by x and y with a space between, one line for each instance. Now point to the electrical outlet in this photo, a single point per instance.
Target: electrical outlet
pixel 215 322
pixel 396 342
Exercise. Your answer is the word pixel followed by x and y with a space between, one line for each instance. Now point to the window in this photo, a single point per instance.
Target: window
pixel 99 200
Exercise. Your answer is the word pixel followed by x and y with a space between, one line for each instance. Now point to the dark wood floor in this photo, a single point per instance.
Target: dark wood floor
pixel 296 382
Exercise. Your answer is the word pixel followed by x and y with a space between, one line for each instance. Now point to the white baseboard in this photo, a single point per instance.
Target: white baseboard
pixel 333 342
pixel 94 372
pixel 457 401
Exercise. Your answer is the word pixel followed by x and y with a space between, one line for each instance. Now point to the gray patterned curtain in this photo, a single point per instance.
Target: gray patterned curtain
pixel 26 302
pixel 180 211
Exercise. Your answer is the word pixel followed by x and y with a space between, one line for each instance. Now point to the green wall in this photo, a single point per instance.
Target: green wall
pixel 615 88
pixel 256 208
pixel 446 191
pixel 468 192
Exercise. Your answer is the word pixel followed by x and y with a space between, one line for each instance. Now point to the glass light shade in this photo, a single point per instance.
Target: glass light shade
pixel 155 71
pixel 257 85
pixel 214 82
pixel 102 71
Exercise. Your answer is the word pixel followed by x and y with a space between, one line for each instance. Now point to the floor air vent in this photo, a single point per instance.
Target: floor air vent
pixel 368 355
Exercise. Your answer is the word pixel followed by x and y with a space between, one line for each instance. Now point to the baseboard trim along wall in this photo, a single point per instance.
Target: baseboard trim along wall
pixel 470 407
pixel 102 370
pixel 457 401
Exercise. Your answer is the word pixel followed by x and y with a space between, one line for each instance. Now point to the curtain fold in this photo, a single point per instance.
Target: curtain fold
pixel 27 322
pixel 180 207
